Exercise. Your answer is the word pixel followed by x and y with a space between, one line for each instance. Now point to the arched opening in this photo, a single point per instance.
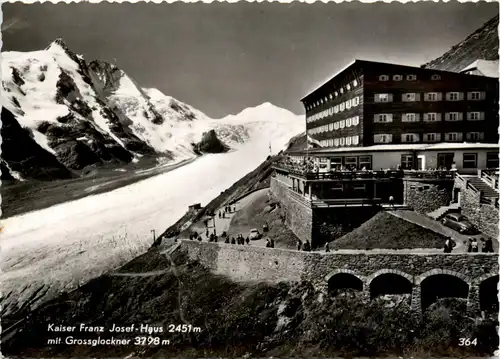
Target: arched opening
pixel 341 282
pixel 488 294
pixel 389 283
pixel 440 286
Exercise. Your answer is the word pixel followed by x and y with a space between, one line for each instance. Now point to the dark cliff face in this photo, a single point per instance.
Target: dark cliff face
pixel 210 144
pixel 24 155
pixel 481 44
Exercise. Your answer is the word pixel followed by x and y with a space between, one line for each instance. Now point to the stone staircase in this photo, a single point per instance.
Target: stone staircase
pixel 443 211
pixel 481 185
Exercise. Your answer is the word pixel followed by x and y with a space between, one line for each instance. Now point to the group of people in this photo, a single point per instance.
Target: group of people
pixel 472 245
pixel 227 209
pixel 306 247
pixel 486 247
pixel 270 243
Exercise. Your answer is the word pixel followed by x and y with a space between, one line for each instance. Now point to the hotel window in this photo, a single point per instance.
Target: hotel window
pixel 351 161
pixel 355 83
pixel 348 122
pixel 355 101
pixel 335 141
pixel 470 160
pixel 476 96
pixel 411 77
pixel 331 96
pixel 355 121
pixel 432 96
pixel 365 162
pixel 336 126
pixel 342 141
pixel 475 136
pixel 492 160
pixel 453 96
pixel 348 104
pixel 321 101
pixel 342 124
pixel 435 77
pixel 453 136
pixel 432 137
pixel 409 137
pixel 330 127
pixel 475 116
pixel 383 78
pixel 383 97
pixel 452 116
pixel 410 117
pixel 431 117
pixel 342 106
pixel 336 93
pixel 336 108
pixel 348 87
pixel 397 77
pixel 341 90
pixel 330 143
pixel 406 162
pixel 382 138
pixel 326 99
pixel 348 141
pixel 410 97
pixel 355 140
pixel 382 117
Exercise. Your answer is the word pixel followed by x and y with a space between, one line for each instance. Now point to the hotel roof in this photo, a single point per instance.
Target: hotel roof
pixel 359 62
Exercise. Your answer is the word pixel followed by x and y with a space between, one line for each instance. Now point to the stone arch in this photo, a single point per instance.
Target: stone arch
pixel 488 291
pixel 390 281
pixel 341 279
pixel 442 283
pixel 419 279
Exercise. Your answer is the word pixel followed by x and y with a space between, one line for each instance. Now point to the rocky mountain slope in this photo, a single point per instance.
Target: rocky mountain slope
pixel 72 114
pixel 481 44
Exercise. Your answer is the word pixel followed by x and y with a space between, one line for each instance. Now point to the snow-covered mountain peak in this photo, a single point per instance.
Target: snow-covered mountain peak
pixel 264 112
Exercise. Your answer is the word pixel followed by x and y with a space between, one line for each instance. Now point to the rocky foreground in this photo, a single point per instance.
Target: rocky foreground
pixel 213 316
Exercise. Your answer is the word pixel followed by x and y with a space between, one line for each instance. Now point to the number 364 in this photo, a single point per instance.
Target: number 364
pixel 467 342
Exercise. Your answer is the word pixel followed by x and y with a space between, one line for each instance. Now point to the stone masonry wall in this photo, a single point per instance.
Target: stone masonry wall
pixel 425 197
pixel 266 264
pixel 298 217
pixel 485 217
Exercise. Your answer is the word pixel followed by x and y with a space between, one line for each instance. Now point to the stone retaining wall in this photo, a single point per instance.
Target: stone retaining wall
pixel 425 197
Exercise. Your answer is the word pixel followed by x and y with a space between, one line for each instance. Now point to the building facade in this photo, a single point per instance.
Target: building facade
pixel 370 103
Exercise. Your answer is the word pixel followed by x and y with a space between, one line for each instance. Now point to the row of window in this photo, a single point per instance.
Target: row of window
pixel 409 77
pixel 431 96
pixel 429 117
pixel 346 105
pixel 331 96
pixel 353 121
pixel 469 160
pixel 343 141
pixel 430 137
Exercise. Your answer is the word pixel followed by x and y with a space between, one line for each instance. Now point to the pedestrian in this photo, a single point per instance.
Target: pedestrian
pixel 272 243
pixel 233 241
pixel 227 240
pixel 448 246
pixel 488 244
pixel 307 246
pixel 234 209
pixel 268 244
pixel 391 201
pixel 299 245
pixel 220 214
pixel 475 245
pixel 248 240
pixel 469 245
pixel 206 233
pixel 327 247
pixel 215 239
pixel 199 239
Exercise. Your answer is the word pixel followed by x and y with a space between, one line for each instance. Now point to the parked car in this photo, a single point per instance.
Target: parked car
pixel 254 234
pixel 459 223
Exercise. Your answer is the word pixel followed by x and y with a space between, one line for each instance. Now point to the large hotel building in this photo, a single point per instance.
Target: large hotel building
pixel 372 103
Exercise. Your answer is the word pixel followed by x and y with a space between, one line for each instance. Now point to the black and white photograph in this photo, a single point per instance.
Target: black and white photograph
pixel 250 180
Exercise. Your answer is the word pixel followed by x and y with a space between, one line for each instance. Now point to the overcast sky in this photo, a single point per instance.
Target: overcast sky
pixel 222 58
